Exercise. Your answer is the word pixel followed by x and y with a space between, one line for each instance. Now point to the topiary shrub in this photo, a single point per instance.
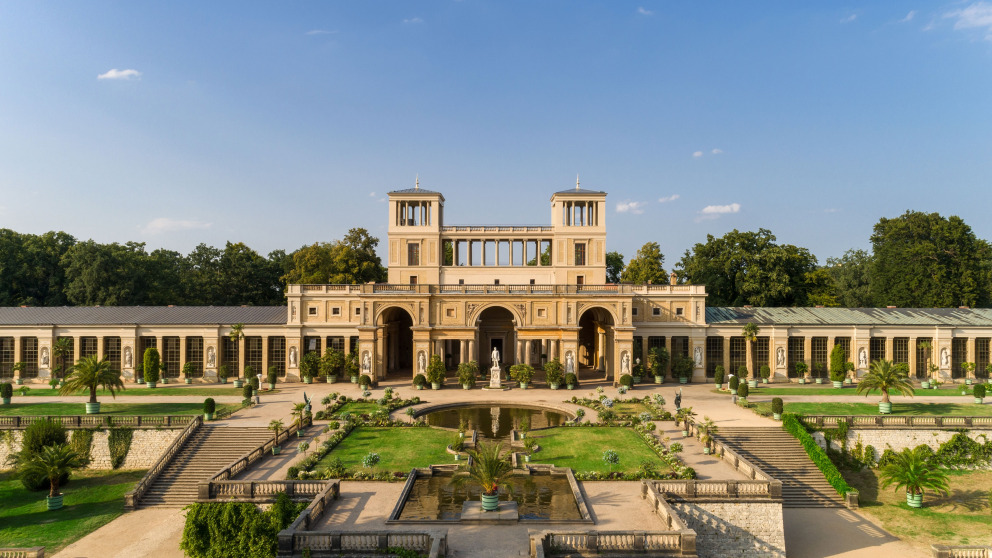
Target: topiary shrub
pixel 978 391
pixel 247 390
pixel 777 405
pixel 734 383
pixel 253 380
pixel 40 434
pixel 571 379
pixel 151 364
pixel 273 373
pixel 6 390
pixel 742 371
pixel 719 374
pixel 420 380
pixel 365 380
pixel 626 380
pixel 742 390
pixel 766 371
pixel 818 455
pixel 209 406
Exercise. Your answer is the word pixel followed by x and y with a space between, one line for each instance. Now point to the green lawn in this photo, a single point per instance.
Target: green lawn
pixel 26 409
pixel 400 448
pixel 960 518
pixel 92 499
pixel 630 408
pixel 871 408
pixel 142 391
pixel 850 390
pixel 357 408
pixel 582 448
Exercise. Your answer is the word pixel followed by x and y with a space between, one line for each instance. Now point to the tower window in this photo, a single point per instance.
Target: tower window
pixel 580 253
pixel 412 254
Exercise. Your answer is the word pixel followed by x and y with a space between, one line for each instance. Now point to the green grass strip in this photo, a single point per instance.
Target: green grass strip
pixel 793 425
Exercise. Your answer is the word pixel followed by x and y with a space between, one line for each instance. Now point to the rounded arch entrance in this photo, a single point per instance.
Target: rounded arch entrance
pixel 395 330
pixel 596 341
pixel 496 328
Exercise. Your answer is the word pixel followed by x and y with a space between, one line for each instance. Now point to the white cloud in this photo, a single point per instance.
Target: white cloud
pixel 716 151
pixel 831 210
pixel 371 194
pixel 667 199
pixel 849 18
pixel 697 154
pixel 166 225
pixel 909 17
pixel 721 209
pixel 413 20
pixel 644 11
pixel 120 74
pixel 977 15
pixel 635 207
pixel 319 32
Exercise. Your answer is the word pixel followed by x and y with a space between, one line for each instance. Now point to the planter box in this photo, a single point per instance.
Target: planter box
pixel 838 385
pixel 53 502
pixel 659 379
pixel 93 408
pixel 752 384
pixel 189 381
pixel 554 385
pixel 150 384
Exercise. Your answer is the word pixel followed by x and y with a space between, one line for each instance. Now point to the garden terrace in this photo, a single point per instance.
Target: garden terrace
pixel 98 421
pixel 581 449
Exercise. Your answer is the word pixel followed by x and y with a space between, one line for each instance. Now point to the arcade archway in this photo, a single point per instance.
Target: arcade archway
pixel 397 341
pixel 596 340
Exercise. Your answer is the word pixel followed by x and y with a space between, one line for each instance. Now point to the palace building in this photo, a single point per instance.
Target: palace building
pixel 532 292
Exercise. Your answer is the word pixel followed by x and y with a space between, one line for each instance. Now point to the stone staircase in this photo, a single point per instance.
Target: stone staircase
pixel 779 454
pixel 212 448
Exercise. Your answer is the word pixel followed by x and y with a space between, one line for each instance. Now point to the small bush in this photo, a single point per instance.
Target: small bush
pixel 718 374
pixel 626 381
pixel 742 371
pixel 6 391
pixel 246 391
pixel 209 406
pixel 734 382
pixel 40 434
pixel 742 390
pixel 978 391
pixel 420 380
pixel 777 405
pixel 571 379
pixel 273 374
pixel 766 372
pixel 365 380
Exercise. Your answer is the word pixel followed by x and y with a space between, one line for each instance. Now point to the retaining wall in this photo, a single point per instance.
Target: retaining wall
pixel 899 439
pixel 745 529
pixel 146 447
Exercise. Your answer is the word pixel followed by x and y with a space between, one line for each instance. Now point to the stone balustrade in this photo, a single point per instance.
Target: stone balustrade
pixel 946 551
pixel 99 421
pixel 33 552
pixel 899 421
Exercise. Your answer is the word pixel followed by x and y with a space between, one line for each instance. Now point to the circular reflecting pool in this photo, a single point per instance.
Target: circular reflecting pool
pixel 537 496
pixel 495 421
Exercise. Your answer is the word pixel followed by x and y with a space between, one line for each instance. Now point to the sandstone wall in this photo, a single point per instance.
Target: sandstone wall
pixel 899 439
pixel 146 447
pixel 745 529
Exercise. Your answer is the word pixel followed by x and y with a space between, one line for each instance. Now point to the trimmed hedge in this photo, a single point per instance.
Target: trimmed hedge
pixel 816 454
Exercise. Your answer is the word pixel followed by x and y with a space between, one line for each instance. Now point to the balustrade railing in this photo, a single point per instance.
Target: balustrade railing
pixel 33 552
pixel 97 421
pixel 657 543
pixel 260 490
pixel 132 498
pixel 898 421
pixel 487 289
pixel 947 551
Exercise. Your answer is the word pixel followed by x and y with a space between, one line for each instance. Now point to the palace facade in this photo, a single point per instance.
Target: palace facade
pixel 531 292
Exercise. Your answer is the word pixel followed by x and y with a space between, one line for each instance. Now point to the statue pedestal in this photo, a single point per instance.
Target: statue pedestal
pixel 494 381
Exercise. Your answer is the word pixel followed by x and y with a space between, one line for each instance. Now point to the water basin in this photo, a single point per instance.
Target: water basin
pixel 538 497
pixel 495 421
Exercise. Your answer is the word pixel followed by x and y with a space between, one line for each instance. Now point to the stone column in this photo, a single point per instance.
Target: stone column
pixel 912 357
pixel 241 358
pixel 726 357
pixel 970 355
pixel 77 347
pixel 471 351
pixel 889 348
pixel 749 358
pixel 808 352
pixel 18 355
pixel 182 355
pixel 601 351
pixel 265 356
pixel 528 346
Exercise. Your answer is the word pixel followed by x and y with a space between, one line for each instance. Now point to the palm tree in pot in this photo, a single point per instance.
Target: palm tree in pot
pixel 275 426
pixel 885 376
pixel 90 373
pixel 912 470
pixel 490 471
pixel 52 463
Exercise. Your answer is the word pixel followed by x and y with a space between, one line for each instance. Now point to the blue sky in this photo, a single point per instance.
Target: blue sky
pixel 284 123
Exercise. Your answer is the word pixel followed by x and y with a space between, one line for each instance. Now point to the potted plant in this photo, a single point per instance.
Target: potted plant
pixel 209 408
pixel 777 407
pixel 467 373
pixel 838 368
pixel 978 391
pixel 490 471
pixel 309 366
pixel 683 416
pixel 637 371
pixel 914 471
pixel 522 374
pixel 554 373
pixel 331 364
pixel 163 370
pixel 6 392
pixel 801 369
pixel 436 372
pixel 52 463
pixel 90 373
pixel 419 381
pixel 766 372
pixel 626 382
pixel 884 376
pixel 351 367
pixel 151 365
pixel 718 375
pixel 275 426
pixel 742 393
pixel 271 376
pixel 968 368
pixel 299 412
pixel 818 371
pixel 139 373
pixel 17 369
pixel 188 370
pixel 571 380
pixel 707 428
pixel 733 383
pixel 223 373
pixel 364 381
pixel 683 368
pixel 657 360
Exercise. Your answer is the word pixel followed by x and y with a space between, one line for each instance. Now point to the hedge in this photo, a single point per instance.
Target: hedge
pixel 793 425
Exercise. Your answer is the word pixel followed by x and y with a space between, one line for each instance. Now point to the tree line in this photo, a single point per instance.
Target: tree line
pixel 56 269
pixel 918 259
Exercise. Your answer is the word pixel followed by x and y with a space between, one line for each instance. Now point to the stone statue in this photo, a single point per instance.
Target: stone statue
pixel 495 357
pixel 569 363
pixel 697 355
pixel 44 357
pixel 625 364
pixel 780 357
pixel 128 359
pixel 678 400
pixel 862 358
pixel 306 401
pixel 292 357
pixel 945 359
pixel 211 357
pixel 366 363
pixel 421 363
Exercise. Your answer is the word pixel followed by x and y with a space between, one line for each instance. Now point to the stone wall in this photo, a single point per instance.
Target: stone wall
pixel 146 447
pixel 899 439
pixel 746 529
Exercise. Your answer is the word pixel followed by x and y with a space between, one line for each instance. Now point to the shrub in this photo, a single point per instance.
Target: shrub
pixel 734 382
pixel 611 458
pixel 309 365
pixel 253 380
pixel 365 380
pixel 119 442
pixel 40 434
pixel 332 362
pixel 189 369
pixel 554 371
pixel 209 406
pixel 273 374
pixel 766 372
pixel 224 372
pixel 657 359
pixel 435 370
pixel 818 455
pixel 240 529
pixel 571 379
pixel 151 364
pixel 978 390
pixel 6 391
pixel 801 369
pixel 718 374
pixel 777 405
pixel 742 390
pixel 82 443
pixel 522 373
pixel 246 391
pixel 468 372
pixel 420 380
pixel 626 380
pixel 742 371
pixel 838 361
